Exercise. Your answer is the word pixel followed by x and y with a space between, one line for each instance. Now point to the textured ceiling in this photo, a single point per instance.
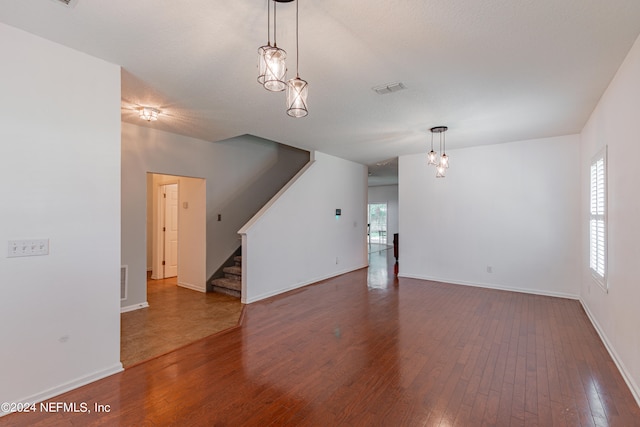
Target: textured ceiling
pixel 492 70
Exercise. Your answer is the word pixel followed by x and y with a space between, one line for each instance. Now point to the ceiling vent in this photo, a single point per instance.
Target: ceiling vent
pixel 68 3
pixel 389 88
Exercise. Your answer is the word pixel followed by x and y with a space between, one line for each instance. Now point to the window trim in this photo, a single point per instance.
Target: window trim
pixel 600 279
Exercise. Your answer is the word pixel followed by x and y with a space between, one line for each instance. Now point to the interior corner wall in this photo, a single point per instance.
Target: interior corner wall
pixel 387 194
pixel 299 240
pixel 504 217
pixel 615 123
pixel 60 179
pixel 241 174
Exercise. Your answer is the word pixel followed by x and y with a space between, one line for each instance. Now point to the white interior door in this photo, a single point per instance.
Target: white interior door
pixel 170 227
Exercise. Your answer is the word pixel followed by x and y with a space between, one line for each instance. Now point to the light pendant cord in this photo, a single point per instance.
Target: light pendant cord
pixel 275 23
pixel 268 23
pixel 297 44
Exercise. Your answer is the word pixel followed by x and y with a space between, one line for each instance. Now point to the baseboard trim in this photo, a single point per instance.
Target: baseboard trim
pixel 192 287
pixel 626 375
pixel 68 386
pixel 492 286
pixel 134 307
pixel 298 285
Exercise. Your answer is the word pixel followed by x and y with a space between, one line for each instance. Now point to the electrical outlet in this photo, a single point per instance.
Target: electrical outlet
pixel 489 269
pixel 21 248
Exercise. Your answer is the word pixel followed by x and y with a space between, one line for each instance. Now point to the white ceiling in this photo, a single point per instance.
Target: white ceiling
pixel 492 70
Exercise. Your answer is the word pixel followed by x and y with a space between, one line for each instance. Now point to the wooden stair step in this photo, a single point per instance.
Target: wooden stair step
pixel 238 260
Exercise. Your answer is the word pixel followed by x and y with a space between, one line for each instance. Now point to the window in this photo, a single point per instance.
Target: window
pixel 378 223
pixel 598 219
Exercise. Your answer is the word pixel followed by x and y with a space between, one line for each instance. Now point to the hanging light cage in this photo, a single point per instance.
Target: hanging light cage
pixel 272 68
pixel 262 63
pixel 297 91
pixel 432 156
pixel 275 69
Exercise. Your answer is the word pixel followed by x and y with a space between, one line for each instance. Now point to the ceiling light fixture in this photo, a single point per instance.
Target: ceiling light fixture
pixel 441 164
pixel 272 68
pixel 149 114
pixel 297 89
pixel 432 155
pixel 262 50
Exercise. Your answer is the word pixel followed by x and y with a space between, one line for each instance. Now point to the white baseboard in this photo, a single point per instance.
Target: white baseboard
pixel 68 386
pixel 192 287
pixel 297 285
pixel 493 286
pixel 626 375
pixel 134 307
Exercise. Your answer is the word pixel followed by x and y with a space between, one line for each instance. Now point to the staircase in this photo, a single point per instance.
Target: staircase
pixel 231 283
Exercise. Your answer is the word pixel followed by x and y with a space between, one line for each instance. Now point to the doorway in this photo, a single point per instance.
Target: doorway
pixel 377 219
pixel 176 230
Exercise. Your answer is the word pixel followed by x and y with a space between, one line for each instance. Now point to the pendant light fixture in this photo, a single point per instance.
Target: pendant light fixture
pixel 272 59
pixel 432 155
pixel 262 50
pixel 441 164
pixel 297 89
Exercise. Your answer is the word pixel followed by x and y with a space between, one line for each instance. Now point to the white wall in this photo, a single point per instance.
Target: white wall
pixel 150 206
pixel 511 207
pixel 60 179
pixel 615 122
pixel 241 175
pixel 297 239
pixel 387 194
pixel 192 239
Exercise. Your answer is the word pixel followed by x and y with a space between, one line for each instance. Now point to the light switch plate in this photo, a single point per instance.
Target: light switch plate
pixel 21 248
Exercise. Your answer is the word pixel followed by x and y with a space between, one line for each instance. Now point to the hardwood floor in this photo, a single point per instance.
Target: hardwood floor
pixel 175 317
pixel 367 349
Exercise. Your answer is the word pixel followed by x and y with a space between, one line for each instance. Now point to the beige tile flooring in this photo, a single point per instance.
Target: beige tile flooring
pixel 176 316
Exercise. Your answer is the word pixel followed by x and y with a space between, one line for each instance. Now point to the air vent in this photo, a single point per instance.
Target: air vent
pixel 389 88
pixel 124 281
pixel 68 3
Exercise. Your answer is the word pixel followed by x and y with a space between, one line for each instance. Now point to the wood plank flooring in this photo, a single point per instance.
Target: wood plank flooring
pixel 365 349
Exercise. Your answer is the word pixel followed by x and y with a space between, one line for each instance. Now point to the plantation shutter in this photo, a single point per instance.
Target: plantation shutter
pixel 597 222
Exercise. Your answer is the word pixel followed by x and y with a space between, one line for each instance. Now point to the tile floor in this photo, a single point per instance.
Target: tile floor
pixel 176 316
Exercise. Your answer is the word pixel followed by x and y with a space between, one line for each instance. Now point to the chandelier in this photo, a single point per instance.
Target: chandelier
pixel 272 69
pixel 441 163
